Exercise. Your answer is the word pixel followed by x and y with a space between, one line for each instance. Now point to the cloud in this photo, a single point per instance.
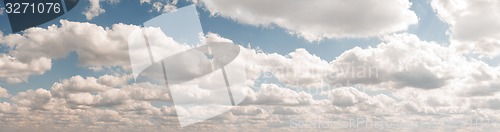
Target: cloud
pixel 297 68
pixel 105 47
pixel 15 71
pixel 79 84
pixel 346 96
pixel 34 99
pixel 271 94
pixel 4 93
pixel 123 103
pixel 400 61
pixel 161 7
pixel 31 53
pixel 482 81
pixel 88 92
pixel 316 20
pixel 413 80
pixel 113 81
pixel 119 107
pixel 1 10
pixel 474 24
pixel 95 8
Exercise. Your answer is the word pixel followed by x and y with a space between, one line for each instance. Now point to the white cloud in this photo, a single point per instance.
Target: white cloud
pixel 271 94
pixel 4 93
pixel 474 24
pixel 15 71
pixel 103 47
pixel 401 61
pixel 404 61
pixel 34 99
pixel 346 96
pixel 78 84
pixel 118 108
pixel 145 1
pixel 81 105
pixel 94 9
pixel 113 81
pixel 84 92
pixel 1 10
pixel 161 7
pixel 315 20
pixel 297 68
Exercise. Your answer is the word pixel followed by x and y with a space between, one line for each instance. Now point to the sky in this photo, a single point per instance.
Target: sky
pixel 309 64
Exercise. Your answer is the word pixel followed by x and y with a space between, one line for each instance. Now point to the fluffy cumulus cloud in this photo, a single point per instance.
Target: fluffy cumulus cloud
pixel 80 102
pixel 162 6
pixel 404 61
pixel 403 79
pixel 271 94
pixel 33 99
pixel 315 20
pixel 474 24
pixel 31 53
pixel 400 61
pixel 4 93
pixel 77 100
pixel 78 89
pixel 116 107
pixel 104 47
pixel 15 71
pixel 414 78
pixel 95 6
pixel 94 9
